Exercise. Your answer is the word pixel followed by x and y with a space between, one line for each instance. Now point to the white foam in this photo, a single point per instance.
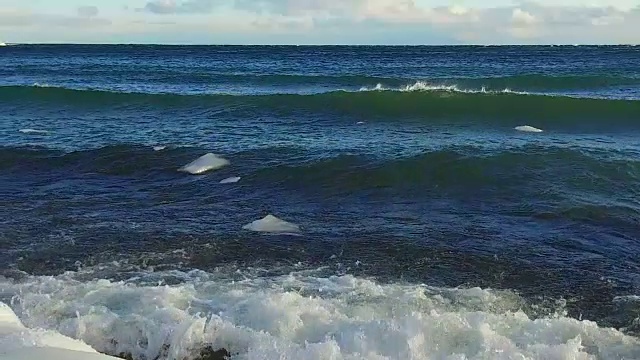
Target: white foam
pixel 627 298
pixel 20 342
pixel 159 148
pixel 527 128
pixel 34 131
pixel 205 163
pixel 230 180
pixel 424 86
pixel 360 123
pixel 304 315
pixel 271 224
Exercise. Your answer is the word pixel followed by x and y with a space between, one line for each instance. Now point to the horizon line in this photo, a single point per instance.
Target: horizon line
pixel 318 45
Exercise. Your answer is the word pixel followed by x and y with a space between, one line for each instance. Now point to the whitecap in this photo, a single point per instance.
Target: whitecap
pixel 205 163
pixel 230 180
pixel 527 128
pixel 34 131
pixel 423 86
pixel 271 224
pixel 360 123
pixel 159 148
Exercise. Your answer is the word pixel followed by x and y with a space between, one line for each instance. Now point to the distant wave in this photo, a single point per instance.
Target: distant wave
pixel 419 100
pixel 425 86
pixel 200 78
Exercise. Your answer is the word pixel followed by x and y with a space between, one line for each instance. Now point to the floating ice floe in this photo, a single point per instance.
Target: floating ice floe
pixel 527 128
pixel 205 163
pixel 18 342
pixel 231 180
pixel 271 224
pixel 34 131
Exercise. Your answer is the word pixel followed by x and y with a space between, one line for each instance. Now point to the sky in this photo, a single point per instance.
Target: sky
pixel 409 22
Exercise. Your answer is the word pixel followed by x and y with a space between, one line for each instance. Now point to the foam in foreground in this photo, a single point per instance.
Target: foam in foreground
pixel 527 128
pixel 306 315
pixel 20 343
pixel 271 224
pixel 205 163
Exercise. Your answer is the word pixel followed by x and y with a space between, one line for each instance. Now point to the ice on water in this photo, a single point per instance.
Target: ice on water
pixel 271 224
pixel 18 342
pixel 230 180
pixel 205 163
pixel 527 128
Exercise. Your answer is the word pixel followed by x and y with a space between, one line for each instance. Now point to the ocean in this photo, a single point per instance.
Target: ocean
pixel 460 202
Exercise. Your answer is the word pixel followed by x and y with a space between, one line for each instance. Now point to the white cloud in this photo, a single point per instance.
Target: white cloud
pixel 179 7
pixel 522 18
pixel 88 11
pixel 543 21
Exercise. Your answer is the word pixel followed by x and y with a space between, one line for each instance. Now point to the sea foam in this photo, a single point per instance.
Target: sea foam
pixel 205 163
pixel 304 315
pixel 271 224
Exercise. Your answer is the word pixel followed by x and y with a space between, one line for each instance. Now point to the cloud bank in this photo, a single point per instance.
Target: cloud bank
pixel 361 21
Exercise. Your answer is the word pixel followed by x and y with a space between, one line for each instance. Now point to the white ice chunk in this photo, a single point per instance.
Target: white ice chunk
pixel 51 353
pixel 205 163
pixel 527 128
pixel 271 224
pixel 231 180
pixel 19 342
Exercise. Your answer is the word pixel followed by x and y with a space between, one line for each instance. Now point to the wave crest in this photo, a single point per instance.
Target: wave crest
pixel 425 86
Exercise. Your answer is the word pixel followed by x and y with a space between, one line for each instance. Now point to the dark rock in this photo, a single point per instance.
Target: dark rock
pixel 205 354
pixel 209 354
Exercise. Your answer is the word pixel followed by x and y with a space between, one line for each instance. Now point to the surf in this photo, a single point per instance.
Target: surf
pixel 301 315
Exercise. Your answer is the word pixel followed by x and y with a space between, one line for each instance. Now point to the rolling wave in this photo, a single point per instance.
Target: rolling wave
pixel 419 100
pixel 459 167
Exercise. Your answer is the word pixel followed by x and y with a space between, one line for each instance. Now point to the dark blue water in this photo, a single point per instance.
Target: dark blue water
pixel 401 165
